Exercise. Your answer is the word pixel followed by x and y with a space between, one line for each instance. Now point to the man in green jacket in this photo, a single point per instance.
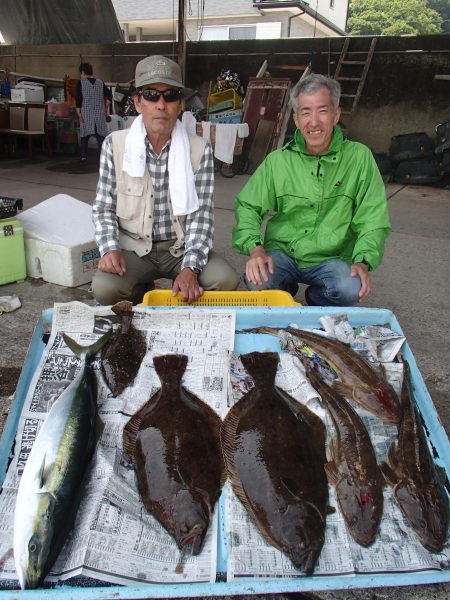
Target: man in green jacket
pixel 327 203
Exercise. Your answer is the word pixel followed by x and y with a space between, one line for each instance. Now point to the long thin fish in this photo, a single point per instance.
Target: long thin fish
pixel 122 356
pixel 352 468
pixel 173 442
pixel 359 381
pixel 49 489
pixel 274 450
pixel 417 483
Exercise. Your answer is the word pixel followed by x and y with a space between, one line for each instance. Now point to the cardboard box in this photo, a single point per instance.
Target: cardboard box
pixel 12 251
pixel 59 241
pixel 27 95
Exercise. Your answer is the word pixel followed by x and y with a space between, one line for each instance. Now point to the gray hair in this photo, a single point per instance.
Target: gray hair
pixel 312 84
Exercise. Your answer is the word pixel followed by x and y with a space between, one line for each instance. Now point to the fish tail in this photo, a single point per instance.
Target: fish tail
pixel 86 351
pixel 262 366
pixel 170 367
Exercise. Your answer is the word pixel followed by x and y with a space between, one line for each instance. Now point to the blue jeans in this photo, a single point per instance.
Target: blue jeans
pixel 330 282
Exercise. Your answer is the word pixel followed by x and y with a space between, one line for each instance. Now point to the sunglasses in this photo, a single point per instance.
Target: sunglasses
pixel 151 95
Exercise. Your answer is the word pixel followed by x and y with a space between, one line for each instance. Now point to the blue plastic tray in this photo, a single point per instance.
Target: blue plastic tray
pixel 245 318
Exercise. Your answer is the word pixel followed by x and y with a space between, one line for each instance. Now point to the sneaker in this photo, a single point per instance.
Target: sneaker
pixel 83 160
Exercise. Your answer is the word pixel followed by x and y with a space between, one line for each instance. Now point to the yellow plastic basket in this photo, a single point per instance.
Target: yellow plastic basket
pixel 262 298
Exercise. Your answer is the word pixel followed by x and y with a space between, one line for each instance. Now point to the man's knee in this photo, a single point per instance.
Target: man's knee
pixel 108 289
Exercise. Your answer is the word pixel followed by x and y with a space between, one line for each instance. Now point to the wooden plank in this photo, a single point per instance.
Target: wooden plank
pixel 261 143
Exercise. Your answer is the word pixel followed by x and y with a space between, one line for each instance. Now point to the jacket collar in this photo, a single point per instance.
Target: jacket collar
pixel 297 144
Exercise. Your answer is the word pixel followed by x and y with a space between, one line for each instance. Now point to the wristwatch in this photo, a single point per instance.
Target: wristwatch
pixel 195 270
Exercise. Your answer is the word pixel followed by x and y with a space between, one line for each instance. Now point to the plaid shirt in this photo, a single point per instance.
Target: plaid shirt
pixel 199 225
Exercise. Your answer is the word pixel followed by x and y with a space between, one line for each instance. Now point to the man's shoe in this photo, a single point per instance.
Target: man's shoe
pixel 83 160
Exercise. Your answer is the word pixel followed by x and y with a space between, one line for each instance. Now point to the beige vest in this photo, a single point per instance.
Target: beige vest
pixel 135 201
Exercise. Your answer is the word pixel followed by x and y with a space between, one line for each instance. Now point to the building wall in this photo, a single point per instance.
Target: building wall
pixel 401 94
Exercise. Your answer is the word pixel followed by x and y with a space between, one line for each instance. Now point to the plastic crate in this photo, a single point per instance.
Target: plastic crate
pixel 9 206
pixel 224 100
pixel 262 298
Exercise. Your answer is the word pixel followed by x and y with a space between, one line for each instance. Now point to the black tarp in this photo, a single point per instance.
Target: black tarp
pixel 41 22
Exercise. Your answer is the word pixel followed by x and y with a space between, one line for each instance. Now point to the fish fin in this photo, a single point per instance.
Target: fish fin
pixel 132 428
pixel 41 475
pixel 442 475
pixel 124 309
pixel 332 472
pixel 342 389
pixel 87 351
pixel 228 443
pixel 333 449
pixel 393 457
pixel 261 366
pixel 388 474
pixel 170 366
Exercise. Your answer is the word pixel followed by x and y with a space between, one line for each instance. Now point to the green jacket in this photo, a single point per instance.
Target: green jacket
pixel 331 206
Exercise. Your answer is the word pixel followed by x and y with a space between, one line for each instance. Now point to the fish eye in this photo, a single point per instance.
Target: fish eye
pixel 422 523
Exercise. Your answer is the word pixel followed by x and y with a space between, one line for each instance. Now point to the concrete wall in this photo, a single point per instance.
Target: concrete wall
pixel 401 94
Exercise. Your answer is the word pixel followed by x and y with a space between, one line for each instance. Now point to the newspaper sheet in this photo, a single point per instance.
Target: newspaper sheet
pixel 114 538
pixel 396 548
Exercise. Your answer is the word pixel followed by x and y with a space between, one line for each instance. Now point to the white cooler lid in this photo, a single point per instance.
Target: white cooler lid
pixel 61 219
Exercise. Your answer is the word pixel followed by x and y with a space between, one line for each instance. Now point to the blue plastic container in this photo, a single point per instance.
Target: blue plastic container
pixel 245 318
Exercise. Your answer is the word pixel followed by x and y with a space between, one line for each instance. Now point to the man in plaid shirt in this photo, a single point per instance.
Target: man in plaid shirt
pixel 153 211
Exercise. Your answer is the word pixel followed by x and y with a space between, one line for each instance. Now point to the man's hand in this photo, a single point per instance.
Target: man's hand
pixel 113 262
pixel 360 270
pixel 186 282
pixel 257 266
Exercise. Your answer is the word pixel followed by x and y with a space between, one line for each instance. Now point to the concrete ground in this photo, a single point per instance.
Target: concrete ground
pixel 413 281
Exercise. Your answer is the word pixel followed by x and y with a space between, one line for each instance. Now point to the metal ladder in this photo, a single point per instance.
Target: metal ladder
pixel 349 74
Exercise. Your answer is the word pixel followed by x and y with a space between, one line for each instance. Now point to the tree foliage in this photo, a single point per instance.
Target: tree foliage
pixel 394 17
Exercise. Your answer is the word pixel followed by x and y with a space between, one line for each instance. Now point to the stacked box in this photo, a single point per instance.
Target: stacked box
pixel 59 241
pixel 12 251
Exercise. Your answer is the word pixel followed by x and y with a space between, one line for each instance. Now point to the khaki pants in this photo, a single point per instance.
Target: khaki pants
pixel 142 272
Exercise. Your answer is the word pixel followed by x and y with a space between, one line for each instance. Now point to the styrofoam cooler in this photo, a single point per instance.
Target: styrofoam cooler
pixel 12 251
pixel 59 241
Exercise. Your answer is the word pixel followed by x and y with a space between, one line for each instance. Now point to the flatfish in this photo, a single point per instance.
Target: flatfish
pixel 358 379
pixel 418 484
pixel 122 356
pixel 274 450
pixel 173 442
pixel 352 467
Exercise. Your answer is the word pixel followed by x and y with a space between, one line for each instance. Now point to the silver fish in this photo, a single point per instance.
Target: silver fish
pixel 48 495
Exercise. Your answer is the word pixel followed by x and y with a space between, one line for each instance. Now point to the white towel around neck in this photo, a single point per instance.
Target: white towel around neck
pixel 183 194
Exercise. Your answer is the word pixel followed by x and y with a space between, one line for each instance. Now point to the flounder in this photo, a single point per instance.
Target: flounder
pixel 352 467
pixel 274 450
pixel 418 484
pixel 122 356
pixel 173 442
pixel 358 379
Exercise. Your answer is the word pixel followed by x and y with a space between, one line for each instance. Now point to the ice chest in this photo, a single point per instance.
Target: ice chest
pixel 276 316
pixel 12 251
pixel 59 241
